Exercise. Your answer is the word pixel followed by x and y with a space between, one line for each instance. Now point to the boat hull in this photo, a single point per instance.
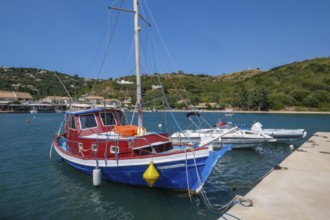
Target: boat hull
pixel 240 139
pixel 178 171
pixel 235 142
pixel 286 133
pixel 280 134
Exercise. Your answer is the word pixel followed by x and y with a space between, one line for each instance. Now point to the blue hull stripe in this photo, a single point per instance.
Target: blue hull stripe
pixel 173 175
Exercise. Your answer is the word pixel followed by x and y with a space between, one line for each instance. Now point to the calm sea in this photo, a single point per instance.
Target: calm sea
pixel 33 186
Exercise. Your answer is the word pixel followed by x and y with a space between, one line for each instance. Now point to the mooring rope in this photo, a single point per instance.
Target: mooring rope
pixel 187 174
pixel 237 199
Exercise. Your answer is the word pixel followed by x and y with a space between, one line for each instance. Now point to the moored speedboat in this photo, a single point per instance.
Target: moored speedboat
pixel 280 134
pixel 238 138
pixel 33 111
pixel 229 135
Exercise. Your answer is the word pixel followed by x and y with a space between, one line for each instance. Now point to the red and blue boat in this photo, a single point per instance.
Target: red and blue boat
pixel 98 139
pixel 99 142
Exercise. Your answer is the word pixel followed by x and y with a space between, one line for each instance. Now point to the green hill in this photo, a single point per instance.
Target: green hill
pixel 301 84
pixel 41 83
pixel 297 86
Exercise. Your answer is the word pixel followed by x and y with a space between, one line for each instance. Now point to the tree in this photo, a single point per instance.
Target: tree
pixel 242 100
pixel 260 99
pixel 299 95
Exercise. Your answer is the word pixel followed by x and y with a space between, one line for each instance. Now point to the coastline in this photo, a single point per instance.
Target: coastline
pixel 207 111
pixel 252 112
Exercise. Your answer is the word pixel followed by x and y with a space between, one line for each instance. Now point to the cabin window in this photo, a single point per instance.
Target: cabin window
pixel 108 118
pixel 121 118
pixel 71 123
pixel 88 121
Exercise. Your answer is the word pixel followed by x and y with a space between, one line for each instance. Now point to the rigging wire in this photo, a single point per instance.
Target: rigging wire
pixel 63 86
pixel 168 105
pixel 160 83
pixel 149 36
pixel 172 82
pixel 110 35
pixel 167 51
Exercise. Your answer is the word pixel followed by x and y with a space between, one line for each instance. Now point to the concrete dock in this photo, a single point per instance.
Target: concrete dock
pixel 302 191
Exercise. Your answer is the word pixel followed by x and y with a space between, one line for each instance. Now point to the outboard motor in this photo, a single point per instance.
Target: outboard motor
pixel 257 126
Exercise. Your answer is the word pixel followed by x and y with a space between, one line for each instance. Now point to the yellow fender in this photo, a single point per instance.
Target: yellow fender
pixel 151 174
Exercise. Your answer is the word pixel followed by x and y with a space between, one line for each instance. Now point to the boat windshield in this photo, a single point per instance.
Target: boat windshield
pixel 88 121
pixel 108 118
pixel 70 122
pixel 121 118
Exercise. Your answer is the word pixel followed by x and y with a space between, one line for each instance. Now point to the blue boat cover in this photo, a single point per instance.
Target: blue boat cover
pixel 84 111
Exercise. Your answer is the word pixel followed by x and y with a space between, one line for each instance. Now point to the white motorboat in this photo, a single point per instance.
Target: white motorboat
pixel 33 110
pixel 280 134
pixel 239 138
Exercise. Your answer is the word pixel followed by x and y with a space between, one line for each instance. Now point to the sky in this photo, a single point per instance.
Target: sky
pixel 202 37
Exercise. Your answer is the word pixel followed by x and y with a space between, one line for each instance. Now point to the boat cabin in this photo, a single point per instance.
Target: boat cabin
pixel 106 132
pixel 94 121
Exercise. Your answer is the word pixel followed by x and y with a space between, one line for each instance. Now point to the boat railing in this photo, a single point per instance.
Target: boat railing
pixel 76 147
pixel 137 145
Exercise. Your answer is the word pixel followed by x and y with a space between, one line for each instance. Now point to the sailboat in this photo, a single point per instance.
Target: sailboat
pixel 100 143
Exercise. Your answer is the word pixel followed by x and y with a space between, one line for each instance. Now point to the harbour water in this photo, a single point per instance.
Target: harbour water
pixel 33 186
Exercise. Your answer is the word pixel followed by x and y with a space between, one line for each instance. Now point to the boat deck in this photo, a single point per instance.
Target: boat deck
pixel 299 192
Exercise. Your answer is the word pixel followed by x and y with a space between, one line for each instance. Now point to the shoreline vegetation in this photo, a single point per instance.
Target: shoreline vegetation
pixel 210 111
pixel 251 112
pixel 301 87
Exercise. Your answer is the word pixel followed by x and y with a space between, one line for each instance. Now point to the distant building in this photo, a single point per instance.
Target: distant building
pixel 128 99
pixel 82 98
pixel 8 97
pixel 110 103
pixel 91 99
pixel 56 100
pixel 30 75
pixel 127 102
pixel 43 71
pixel 5 69
pixel 16 86
pixel 88 79
pixel 113 102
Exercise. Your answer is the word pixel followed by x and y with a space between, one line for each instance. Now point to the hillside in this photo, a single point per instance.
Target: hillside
pixel 302 84
pixel 299 86
pixel 41 83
